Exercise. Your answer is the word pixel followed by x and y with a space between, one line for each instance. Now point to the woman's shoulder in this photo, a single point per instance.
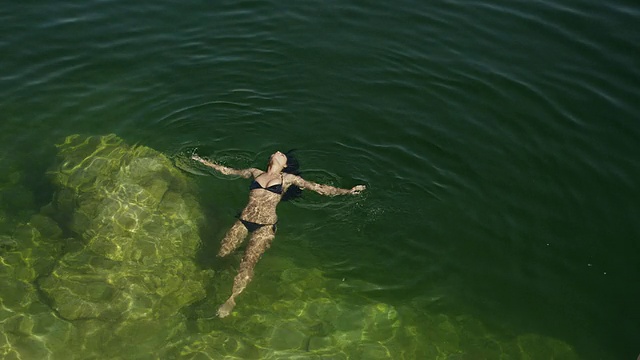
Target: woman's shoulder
pixel 292 179
pixel 255 172
pixel 289 177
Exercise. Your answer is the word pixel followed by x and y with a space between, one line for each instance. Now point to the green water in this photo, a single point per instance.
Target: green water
pixel 498 141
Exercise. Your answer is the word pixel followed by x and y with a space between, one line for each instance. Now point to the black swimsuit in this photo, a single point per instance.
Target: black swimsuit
pixel 251 226
pixel 276 189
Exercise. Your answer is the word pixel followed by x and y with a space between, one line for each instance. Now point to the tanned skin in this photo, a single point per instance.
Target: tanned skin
pixel 261 209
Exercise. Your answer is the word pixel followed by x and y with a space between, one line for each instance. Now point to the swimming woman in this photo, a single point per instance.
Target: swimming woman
pixel 259 216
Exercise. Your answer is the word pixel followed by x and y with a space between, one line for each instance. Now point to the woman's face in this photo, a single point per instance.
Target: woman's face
pixel 278 158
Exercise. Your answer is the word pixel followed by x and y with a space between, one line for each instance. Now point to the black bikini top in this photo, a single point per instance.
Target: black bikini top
pixel 276 188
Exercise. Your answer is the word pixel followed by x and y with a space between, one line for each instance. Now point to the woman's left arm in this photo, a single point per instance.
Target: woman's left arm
pixel 325 189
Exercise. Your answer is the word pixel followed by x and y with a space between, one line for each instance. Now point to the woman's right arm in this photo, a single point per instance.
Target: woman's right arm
pixel 245 173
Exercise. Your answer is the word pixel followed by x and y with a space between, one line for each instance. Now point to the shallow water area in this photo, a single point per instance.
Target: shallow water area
pixel 498 142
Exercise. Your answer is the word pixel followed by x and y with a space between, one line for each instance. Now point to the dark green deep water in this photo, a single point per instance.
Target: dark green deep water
pixel 499 140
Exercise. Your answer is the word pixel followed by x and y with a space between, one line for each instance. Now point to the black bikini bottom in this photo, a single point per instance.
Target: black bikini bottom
pixel 251 226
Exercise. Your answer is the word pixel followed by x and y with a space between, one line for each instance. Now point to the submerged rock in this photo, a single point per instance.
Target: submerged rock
pixel 115 289
pixel 138 220
pixel 298 313
pixel 29 328
pixel 106 267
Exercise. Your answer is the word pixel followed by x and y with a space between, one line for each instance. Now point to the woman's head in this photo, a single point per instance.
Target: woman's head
pixel 278 159
pixel 291 166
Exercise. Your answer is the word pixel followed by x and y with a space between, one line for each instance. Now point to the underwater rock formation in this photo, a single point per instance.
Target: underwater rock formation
pixel 138 220
pixel 104 270
pixel 298 313
pixel 106 267
pixel 26 251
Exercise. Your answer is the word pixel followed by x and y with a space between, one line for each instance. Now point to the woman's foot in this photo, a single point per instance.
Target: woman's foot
pixel 226 308
pixel 224 251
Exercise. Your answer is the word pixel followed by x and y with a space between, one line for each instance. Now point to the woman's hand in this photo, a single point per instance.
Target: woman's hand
pixel 357 189
pixel 204 162
pixel 197 157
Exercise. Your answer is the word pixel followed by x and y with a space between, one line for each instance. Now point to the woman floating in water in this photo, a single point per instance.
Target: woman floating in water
pixel 259 216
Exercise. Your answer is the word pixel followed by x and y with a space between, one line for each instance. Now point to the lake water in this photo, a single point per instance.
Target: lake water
pixel 499 142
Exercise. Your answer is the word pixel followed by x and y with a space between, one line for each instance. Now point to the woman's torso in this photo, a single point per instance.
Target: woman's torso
pixel 265 193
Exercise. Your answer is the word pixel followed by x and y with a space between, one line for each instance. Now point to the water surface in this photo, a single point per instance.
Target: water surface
pixel 498 140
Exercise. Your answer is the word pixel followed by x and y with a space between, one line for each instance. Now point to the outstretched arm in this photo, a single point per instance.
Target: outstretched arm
pixel 326 189
pixel 245 173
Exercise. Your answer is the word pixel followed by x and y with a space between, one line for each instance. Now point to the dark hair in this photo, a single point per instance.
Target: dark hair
pixel 293 167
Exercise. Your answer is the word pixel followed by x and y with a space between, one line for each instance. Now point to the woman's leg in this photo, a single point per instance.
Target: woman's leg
pixel 233 238
pixel 259 243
